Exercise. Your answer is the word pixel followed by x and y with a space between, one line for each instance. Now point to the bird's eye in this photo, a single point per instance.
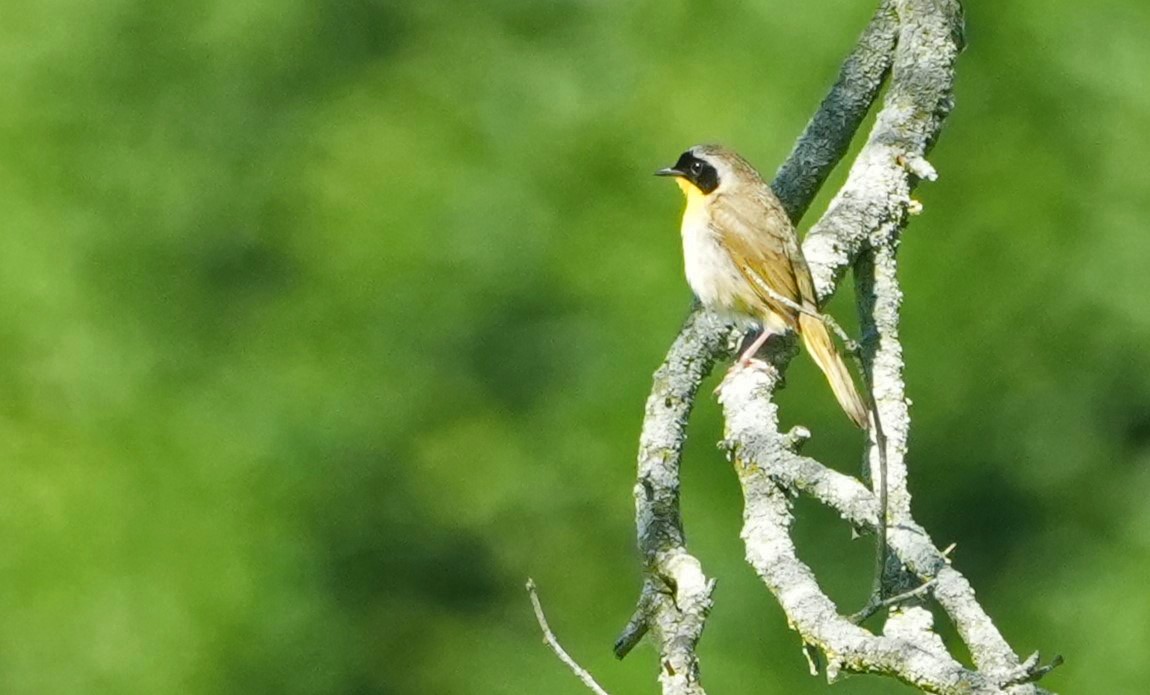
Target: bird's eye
pixel 696 167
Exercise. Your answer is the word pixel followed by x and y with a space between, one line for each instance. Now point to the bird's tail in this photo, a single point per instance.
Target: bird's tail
pixel 822 349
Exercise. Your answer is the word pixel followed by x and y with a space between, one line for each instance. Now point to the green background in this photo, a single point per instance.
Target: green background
pixel 326 324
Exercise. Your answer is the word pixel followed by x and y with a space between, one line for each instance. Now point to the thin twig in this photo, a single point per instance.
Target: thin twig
pixel 1031 670
pixel 549 638
pixel 876 604
pixel 636 627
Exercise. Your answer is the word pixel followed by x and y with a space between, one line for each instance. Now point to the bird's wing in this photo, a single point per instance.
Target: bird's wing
pixel 764 246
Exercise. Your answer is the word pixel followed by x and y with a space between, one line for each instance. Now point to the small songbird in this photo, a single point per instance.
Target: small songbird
pixel 742 255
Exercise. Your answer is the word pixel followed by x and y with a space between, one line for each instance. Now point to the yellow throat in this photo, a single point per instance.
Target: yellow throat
pixel 695 197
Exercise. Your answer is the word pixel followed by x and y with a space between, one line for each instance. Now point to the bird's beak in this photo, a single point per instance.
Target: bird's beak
pixel 669 171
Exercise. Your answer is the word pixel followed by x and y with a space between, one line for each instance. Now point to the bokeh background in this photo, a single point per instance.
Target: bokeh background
pixel 326 324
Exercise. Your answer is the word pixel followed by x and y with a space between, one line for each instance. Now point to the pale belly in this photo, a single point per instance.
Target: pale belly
pixel 712 275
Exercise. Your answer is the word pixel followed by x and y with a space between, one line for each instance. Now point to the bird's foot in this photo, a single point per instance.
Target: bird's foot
pixel 744 362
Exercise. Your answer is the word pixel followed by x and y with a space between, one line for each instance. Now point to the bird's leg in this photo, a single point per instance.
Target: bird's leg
pixel 753 349
pixel 746 357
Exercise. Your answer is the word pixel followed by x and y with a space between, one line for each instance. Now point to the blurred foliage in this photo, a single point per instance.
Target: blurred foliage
pixel 325 324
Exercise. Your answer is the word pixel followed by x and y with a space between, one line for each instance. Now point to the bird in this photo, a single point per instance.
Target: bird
pixel 744 263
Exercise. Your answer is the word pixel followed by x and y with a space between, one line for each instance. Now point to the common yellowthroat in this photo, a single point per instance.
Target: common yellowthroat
pixel 742 254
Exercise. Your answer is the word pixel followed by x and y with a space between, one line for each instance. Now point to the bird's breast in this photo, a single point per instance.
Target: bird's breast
pixel 710 271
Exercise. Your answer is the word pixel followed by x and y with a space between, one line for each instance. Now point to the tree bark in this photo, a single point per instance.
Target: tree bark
pixel 913 44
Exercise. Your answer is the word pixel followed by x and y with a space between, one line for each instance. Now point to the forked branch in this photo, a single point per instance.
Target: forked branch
pixel 675 612
pixel 915 43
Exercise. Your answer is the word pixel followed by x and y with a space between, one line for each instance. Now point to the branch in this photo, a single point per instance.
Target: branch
pixel 828 135
pixel 771 550
pixel 767 470
pixel 867 215
pixel 767 465
pixel 549 638
pixel 862 227
pixel 675 596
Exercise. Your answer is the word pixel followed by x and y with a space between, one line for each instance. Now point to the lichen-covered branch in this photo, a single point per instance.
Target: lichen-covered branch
pixel 675 596
pixel 828 135
pixel 862 227
pixel 917 42
pixel 769 469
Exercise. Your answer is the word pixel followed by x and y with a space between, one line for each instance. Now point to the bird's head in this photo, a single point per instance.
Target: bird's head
pixel 709 169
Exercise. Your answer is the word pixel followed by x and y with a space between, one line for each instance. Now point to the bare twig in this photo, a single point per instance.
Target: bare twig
pixel 1032 669
pixel 875 604
pixel 549 638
